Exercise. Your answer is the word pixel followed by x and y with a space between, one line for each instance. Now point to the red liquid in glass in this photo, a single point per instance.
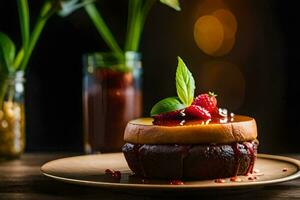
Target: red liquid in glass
pixel 111 99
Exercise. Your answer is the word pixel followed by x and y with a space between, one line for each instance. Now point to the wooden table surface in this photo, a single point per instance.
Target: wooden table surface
pixel 22 179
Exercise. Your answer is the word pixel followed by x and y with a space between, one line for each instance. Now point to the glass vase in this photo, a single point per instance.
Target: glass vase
pixel 12 117
pixel 112 96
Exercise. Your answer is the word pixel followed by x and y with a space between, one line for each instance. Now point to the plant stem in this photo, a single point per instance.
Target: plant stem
pixel 136 32
pixel 147 7
pixel 129 23
pixel 102 28
pixel 40 24
pixel 3 86
pixel 18 58
pixel 144 13
pixel 133 7
pixel 24 24
pixel 138 12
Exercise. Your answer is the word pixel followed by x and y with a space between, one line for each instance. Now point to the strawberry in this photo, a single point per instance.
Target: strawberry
pixel 195 111
pixel 177 114
pixel 219 113
pixel 206 101
pixel 216 113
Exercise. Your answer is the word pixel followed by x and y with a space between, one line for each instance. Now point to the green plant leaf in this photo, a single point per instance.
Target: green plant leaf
pixel 166 105
pixel 102 28
pixel 172 3
pixel 70 6
pixel 7 53
pixel 19 59
pixel 24 22
pixel 185 84
pixel 133 23
pixel 49 7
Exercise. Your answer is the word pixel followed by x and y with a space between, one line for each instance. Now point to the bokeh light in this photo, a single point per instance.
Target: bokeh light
pixel 209 34
pixel 215 33
pixel 228 21
pixel 226 80
pixel 227 45
pixel 207 7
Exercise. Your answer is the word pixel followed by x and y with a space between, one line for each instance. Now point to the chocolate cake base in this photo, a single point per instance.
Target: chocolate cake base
pixel 191 161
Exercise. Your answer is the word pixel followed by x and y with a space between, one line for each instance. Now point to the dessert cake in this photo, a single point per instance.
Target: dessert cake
pixel 190 138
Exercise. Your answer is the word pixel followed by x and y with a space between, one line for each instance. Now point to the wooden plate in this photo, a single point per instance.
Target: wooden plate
pixel 90 170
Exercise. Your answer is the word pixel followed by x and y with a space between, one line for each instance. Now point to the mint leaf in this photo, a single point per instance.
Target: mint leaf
pixel 185 84
pixel 166 105
pixel 172 3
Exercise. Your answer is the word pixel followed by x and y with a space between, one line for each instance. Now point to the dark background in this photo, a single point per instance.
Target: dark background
pixel 265 53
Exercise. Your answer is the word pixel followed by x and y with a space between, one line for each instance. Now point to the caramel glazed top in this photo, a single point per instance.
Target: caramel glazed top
pixel 221 131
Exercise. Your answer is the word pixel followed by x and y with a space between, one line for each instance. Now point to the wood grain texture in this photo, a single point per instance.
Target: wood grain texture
pixel 22 179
